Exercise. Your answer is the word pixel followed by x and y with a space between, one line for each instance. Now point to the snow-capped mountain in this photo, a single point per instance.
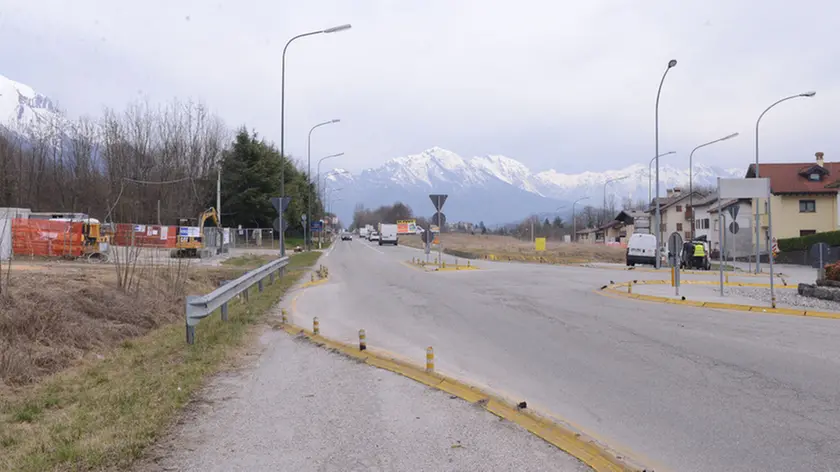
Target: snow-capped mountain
pixel 498 189
pixel 23 110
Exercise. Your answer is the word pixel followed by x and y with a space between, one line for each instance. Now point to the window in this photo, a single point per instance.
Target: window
pixel 807 206
pixel 663 228
pixel 688 235
pixel 807 232
pixel 679 227
pixel 815 176
pixel 679 208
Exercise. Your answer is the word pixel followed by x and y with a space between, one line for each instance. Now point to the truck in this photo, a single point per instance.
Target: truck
pixel 363 233
pixel 388 234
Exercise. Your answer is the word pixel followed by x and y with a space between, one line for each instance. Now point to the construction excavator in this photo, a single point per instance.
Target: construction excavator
pixel 191 244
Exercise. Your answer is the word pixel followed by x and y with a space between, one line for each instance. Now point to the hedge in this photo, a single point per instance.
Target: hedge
pixel 804 243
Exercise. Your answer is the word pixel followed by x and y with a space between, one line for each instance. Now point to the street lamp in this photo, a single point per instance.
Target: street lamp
pixel 757 236
pixel 671 64
pixel 690 175
pixel 309 174
pixel 318 174
pixel 574 220
pixel 334 29
pixel 615 179
pixel 650 172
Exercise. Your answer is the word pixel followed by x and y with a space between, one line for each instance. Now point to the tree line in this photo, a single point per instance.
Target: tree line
pixel 149 165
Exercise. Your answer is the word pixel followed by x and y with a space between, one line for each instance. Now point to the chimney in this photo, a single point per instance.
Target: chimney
pixel 820 160
pixel 673 192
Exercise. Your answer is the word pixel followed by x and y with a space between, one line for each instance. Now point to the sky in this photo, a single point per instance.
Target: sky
pixel 555 84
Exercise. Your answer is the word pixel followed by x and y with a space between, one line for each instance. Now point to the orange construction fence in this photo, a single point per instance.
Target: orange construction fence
pixel 47 238
pixel 145 235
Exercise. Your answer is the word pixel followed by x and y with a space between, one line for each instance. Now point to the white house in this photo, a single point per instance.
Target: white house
pixel 673 212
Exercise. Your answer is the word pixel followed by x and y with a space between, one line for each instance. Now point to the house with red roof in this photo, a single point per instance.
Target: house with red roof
pixel 804 197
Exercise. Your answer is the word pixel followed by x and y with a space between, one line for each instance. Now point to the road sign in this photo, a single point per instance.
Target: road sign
pixel 316 225
pixel 775 247
pixel 734 227
pixel 675 242
pixel 733 211
pixel 303 217
pixel 438 200
pixel 277 225
pixel 819 254
pixel 280 203
pixel 428 236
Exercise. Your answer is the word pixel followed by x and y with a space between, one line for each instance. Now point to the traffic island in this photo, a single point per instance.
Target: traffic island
pixel 703 294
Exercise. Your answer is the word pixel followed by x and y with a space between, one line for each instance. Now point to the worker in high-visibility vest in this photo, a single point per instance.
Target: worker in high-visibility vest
pixel 699 255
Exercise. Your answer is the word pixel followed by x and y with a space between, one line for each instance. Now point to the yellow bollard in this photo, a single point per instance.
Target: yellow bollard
pixel 468 263
pixel 727 278
pixel 284 317
pixel 316 326
pixel 444 264
pixel 672 276
pixel 362 340
pixel 430 359
pixel 312 277
pixel 630 287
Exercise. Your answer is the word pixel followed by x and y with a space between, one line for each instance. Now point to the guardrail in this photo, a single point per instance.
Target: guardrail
pixel 200 307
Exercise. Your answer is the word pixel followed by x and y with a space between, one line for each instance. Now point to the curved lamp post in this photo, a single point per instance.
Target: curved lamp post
pixel 334 29
pixel 309 174
pixel 691 175
pixel 671 64
pixel 757 122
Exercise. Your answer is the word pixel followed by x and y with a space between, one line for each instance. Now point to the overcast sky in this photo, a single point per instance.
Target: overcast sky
pixel 555 84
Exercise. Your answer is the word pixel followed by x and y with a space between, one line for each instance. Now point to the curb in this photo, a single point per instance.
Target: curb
pixel 613 290
pixel 314 283
pixel 434 268
pixel 564 439
pixel 693 272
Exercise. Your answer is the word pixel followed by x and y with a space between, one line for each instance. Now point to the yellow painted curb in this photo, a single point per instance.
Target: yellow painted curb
pixel 453 269
pixel 615 290
pixel 312 284
pixel 568 441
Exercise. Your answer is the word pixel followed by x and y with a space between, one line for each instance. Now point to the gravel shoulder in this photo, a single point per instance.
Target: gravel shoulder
pixel 784 297
pixel 304 408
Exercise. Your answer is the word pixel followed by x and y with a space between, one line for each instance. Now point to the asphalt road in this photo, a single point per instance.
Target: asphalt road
pixel 674 387
pixel 303 408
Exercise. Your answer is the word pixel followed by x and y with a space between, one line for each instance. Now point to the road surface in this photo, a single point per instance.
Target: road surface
pixel 674 387
pixel 303 408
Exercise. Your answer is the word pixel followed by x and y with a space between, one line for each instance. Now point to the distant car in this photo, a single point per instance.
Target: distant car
pixel 346 236
pixel 374 236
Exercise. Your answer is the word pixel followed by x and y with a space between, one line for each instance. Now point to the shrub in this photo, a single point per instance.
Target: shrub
pixel 804 243
pixel 832 271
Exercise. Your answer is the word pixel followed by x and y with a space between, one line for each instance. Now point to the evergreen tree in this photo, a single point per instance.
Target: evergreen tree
pixel 250 177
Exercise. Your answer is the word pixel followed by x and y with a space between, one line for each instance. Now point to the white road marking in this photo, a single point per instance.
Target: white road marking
pixel 373 248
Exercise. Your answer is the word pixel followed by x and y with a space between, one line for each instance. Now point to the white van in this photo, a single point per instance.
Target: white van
pixel 641 249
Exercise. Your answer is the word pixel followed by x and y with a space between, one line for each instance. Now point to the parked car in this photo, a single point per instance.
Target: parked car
pixel 641 249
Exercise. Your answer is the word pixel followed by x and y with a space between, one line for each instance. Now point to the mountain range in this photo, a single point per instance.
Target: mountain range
pixel 495 189
pixel 498 189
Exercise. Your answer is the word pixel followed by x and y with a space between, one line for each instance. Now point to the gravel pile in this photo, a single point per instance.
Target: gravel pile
pixel 784 297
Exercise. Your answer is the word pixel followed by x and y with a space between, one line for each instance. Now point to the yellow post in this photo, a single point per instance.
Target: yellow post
pixel 468 263
pixel 312 277
pixel 316 326
pixel 430 359
pixel 630 287
pixel 672 276
pixel 284 317
pixel 444 264
pixel 362 340
pixel 727 277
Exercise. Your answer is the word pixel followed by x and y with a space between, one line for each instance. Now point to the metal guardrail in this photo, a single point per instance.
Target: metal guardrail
pixel 200 307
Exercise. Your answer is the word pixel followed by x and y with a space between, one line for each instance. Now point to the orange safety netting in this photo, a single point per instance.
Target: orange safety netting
pixel 145 235
pixel 47 238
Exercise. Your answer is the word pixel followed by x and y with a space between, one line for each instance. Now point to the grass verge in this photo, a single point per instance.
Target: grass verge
pixel 103 413
pixel 248 261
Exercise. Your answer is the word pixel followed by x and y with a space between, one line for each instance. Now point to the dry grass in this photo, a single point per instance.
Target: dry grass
pixel 509 248
pixel 120 393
